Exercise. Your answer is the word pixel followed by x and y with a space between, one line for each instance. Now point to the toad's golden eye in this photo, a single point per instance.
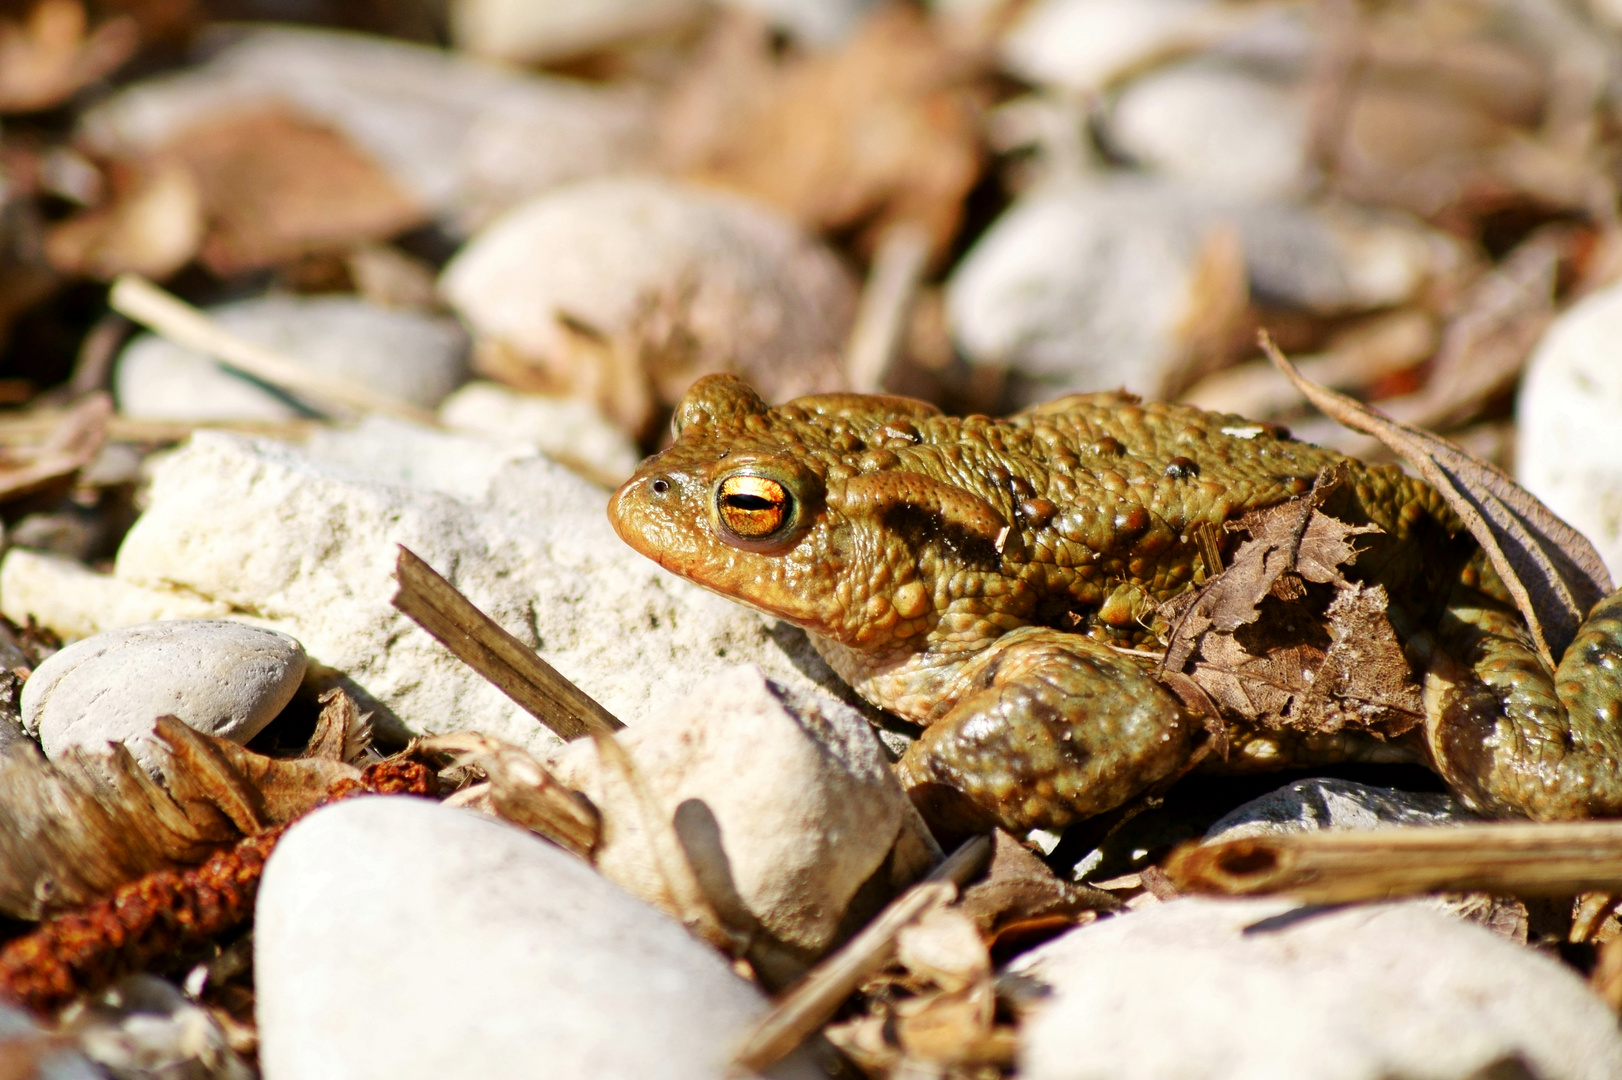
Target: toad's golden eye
pixel 753 507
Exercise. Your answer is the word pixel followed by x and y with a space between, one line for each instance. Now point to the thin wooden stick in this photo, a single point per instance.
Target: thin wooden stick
pixel 1558 859
pixel 479 642
pixel 176 320
pixel 881 319
pixel 815 998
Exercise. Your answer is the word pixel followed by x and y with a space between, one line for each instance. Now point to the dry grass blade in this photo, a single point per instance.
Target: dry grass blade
pixel 881 320
pixel 523 791
pixel 818 996
pixel 72 441
pixel 178 321
pixel 1551 570
pixel 480 643
pixel 1334 867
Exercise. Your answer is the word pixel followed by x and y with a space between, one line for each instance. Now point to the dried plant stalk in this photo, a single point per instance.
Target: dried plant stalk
pixel 1558 859
pixel 815 999
pixel 176 320
pixel 479 642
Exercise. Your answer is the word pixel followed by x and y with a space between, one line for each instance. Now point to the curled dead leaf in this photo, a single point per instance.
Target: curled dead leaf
pixel 1552 571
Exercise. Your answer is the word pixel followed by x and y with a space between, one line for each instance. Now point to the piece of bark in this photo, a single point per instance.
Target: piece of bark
pixel 479 642
pixel 1342 866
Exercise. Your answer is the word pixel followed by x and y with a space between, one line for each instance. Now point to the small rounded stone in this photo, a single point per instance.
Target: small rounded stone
pixel 222 678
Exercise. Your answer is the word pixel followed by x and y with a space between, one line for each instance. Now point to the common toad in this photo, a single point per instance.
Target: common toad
pixel 988 580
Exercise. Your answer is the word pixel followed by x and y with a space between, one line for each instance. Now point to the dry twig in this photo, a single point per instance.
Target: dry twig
pixel 818 996
pixel 881 320
pixel 1336 867
pixel 479 642
pixel 176 320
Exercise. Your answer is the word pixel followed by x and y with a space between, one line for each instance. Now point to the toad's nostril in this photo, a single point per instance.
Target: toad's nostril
pixel 660 486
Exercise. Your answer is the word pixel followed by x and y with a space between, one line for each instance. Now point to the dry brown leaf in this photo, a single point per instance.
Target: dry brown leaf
pixel 951 1028
pixel 1018 888
pixel 883 130
pixel 1291 538
pixel 79 827
pixel 1267 648
pixel 1551 570
pixel 151 225
pixel 342 732
pixel 49 57
pixel 277 184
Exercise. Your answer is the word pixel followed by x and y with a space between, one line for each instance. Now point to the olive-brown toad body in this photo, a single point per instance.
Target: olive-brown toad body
pixel 980 577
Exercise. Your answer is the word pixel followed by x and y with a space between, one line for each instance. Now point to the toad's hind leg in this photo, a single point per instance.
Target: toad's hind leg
pixel 1510 739
pixel 1057 727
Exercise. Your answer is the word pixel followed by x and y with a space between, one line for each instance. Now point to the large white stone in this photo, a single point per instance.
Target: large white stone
pixel 677 280
pixel 564 429
pixel 1085 45
pixel 307 545
pixel 220 677
pixel 1195 989
pixel 1322 803
pixel 807 807
pixel 1093 285
pixel 1217 126
pixel 401 940
pixel 469 140
pixel 416 358
pixel 1569 448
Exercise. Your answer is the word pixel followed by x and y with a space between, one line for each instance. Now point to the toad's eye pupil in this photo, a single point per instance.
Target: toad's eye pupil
pixel 752 507
pixel 660 486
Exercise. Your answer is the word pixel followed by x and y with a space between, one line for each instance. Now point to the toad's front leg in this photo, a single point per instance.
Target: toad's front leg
pixel 1054 727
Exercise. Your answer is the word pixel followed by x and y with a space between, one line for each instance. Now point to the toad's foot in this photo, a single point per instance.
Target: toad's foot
pixel 1509 738
pixel 1058 727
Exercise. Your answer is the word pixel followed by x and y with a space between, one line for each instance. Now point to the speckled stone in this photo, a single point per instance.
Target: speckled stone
pixel 220 677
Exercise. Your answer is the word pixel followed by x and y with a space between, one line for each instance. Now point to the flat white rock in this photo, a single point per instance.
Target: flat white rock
pixel 398 939
pixel 642 262
pixel 564 429
pixel 1321 803
pixel 1569 446
pixel 416 358
pixel 1092 285
pixel 801 799
pixel 1215 125
pixel 1183 991
pixel 305 541
pixel 468 139
pixel 1085 45
pixel 220 677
